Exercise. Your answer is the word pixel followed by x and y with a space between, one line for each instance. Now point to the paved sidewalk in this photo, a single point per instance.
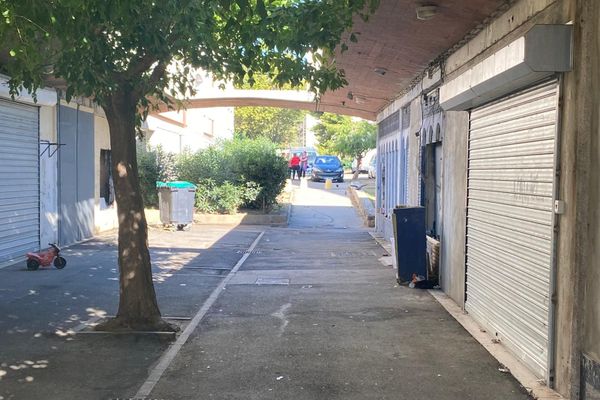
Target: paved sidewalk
pixel 40 358
pixel 310 314
pixel 329 323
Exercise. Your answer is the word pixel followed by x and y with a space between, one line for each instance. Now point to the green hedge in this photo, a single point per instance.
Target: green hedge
pixel 154 165
pixel 210 163
pixel 237 173
pixel 225 198
pixel 256 160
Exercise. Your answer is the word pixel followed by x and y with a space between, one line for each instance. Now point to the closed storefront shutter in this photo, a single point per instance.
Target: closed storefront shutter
pixel 76 166
pixel 19 180
pixel 510 221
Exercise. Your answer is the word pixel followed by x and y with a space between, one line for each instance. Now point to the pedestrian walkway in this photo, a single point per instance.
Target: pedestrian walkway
pixel 315 207
pixel 312 314
pixel 305 312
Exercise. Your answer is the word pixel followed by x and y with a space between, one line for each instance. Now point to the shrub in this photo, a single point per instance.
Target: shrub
pixel 153 165
pixel 256 160
pixel 248 165
pixel 224 198
pixel 210 163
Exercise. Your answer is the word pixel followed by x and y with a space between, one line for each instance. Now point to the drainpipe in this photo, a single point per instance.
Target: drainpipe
pixel 58 172
pixel 550 380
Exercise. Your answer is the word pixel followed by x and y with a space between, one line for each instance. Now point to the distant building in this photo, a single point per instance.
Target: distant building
pixel 194 129
pixel 310 140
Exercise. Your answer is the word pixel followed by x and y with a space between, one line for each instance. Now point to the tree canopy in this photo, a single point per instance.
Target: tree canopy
pixel 148 46
pixel 128 54
pixel 280 125
pixel 328 128
pixel 341 135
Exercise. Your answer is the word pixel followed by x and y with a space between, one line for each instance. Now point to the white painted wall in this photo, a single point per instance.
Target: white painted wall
pixel 105 217
pixel 48 178
pixel 198 128
pixel 203 127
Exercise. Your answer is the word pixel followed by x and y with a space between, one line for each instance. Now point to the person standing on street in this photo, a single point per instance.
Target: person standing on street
pixel 303 164
pixel 295 165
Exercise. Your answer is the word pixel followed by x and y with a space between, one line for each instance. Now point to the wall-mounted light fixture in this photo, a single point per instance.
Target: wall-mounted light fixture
pixel 426 12
pixel 380 71
pixel 358 99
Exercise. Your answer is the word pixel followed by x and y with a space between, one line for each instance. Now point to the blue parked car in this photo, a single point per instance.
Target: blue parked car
pixel 327 167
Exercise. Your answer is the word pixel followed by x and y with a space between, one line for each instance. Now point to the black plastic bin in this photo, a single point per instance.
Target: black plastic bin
pixel 410 242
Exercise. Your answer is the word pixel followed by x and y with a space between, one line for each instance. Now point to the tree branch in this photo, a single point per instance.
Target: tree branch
pixel 140 65
pixel 156 75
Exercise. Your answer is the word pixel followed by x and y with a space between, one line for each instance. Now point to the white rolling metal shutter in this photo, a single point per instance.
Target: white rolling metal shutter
pixel 510 220
pixel 19 180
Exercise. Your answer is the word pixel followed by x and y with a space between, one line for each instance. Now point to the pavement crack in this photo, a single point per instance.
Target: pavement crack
pixel 281 314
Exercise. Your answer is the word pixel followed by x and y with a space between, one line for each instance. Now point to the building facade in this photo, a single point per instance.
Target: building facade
pixel 54 176
pixel 499 142
pixel 189 130
pixel 195 128
pixel 55 163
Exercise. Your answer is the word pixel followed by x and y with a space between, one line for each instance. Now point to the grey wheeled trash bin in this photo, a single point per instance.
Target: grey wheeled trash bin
pixel 176 202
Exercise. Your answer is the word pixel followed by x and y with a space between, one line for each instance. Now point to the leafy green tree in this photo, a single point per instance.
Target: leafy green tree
pixel 154 164
pixel 343 136
pixel 330 127
pixel 356 142
pixel 256 160
pixel 280 125
pixel 125 54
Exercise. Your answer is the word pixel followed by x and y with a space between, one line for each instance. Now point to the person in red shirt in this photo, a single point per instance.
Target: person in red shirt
pixel 295 166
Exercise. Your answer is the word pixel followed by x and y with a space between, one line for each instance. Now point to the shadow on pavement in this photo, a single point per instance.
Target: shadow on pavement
pixel 41 357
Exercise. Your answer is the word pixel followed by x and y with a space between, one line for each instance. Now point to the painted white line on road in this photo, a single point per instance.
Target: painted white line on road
pixel 116 333
pixel 171 353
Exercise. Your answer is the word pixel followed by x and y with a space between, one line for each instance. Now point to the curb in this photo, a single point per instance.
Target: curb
pixel 363 205
pixel 241 219
pixel 153 218
pixel 527 379
pixel 387 246
pixel 289 208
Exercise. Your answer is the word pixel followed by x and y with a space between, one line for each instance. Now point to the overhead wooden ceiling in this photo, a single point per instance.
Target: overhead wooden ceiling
pixel 394 40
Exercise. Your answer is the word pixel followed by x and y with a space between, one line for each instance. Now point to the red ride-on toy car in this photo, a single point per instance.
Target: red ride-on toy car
pixel 45 258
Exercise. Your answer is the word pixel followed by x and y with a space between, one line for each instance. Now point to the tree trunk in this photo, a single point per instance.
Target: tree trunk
pixel 138 308
pixel 357 172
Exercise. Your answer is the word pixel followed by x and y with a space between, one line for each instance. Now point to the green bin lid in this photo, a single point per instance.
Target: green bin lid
pixel 176 185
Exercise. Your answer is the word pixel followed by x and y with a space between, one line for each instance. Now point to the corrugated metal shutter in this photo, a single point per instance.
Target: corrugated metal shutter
pixel 19 180
pixel 76 172
pixel 510 220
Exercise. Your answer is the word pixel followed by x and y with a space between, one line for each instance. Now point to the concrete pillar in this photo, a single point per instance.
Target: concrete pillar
pixel 579 189
pixel 588 343
pixel 454 186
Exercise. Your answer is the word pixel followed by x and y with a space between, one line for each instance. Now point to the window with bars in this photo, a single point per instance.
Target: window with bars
pixel 389 125
pixel 406 117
